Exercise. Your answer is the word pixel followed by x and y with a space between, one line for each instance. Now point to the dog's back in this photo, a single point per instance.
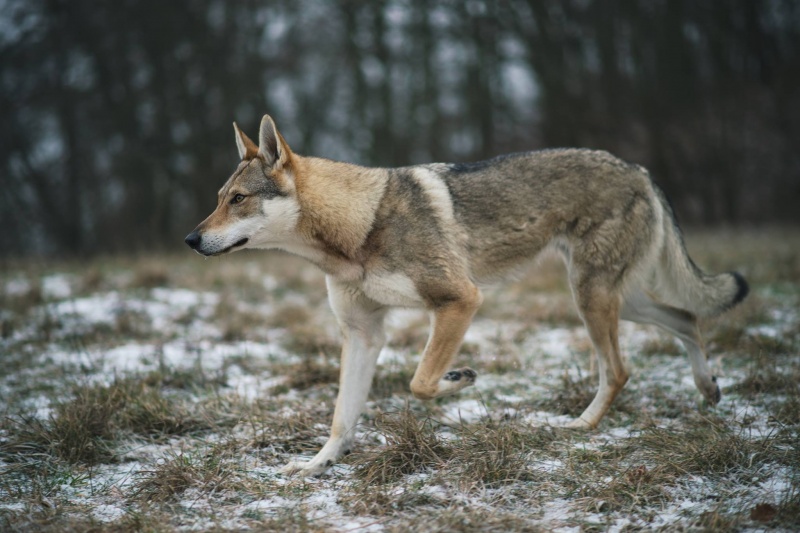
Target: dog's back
pixel 590 204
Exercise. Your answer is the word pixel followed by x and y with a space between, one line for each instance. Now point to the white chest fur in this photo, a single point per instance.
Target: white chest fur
pixel 393 289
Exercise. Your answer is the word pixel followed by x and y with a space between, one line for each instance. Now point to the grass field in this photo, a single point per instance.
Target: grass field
pixel 161 393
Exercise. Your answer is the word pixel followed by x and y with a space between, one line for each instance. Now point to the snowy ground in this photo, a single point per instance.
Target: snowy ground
pixel 222 371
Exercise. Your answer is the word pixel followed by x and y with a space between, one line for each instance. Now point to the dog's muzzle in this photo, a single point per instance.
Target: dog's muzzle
pixel 194 239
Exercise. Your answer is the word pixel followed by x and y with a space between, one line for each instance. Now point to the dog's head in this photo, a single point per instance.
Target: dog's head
pixel 257 207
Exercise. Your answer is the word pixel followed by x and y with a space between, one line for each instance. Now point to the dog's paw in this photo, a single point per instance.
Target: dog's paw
pixel 717 396
pixel 710 391
pixel 455 380
pixel 466 374
pixel 306 468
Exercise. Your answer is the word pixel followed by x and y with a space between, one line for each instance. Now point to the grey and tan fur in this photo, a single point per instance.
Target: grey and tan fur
pixel 429 236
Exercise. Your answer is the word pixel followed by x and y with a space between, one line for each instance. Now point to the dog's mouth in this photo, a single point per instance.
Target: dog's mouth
pixel 237 244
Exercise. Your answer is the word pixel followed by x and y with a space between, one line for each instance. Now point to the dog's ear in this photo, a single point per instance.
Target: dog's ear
pixel 271 146
pixel 247 148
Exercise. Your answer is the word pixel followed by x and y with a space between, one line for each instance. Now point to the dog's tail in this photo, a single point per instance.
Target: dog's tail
pixel 681 283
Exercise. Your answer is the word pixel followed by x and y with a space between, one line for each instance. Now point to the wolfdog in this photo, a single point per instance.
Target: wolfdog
pixel 428 236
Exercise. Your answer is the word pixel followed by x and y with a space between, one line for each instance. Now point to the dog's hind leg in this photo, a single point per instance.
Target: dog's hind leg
pixel 361 322
pixel 448 325
pixel 640 308
pixel 600 310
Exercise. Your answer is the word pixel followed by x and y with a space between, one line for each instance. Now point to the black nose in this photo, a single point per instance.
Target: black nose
pixel 193 239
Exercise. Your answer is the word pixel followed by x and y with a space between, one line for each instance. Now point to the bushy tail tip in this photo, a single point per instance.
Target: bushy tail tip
pixel 743 289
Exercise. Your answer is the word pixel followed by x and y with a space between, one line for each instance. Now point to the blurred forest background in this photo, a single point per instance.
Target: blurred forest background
pixel 116 116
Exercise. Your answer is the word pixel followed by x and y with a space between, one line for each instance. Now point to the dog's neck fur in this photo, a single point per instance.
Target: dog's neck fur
pixel 338 202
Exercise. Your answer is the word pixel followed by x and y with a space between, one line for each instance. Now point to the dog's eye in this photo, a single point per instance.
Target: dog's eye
pixel 236 199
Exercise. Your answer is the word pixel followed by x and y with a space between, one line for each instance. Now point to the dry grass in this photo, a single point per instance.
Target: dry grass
pixel 289 316
pixel 476 457
pixel 705 446
pixel 540 298
pixel 574 395
pixel 605 485
pixel 235 324
pixel 412 445
pixel 385 501
pixel 173 475
pixel 23 301
pixel 663 402
pixel 60 521
pixel 283 429
pixel 503 356
pixel 718 520
pixel 170 478
pixel 150 274
pixel 413 335
pixel 662 345
pixel 787 513
pixel 763 255
pixel 294 520
pixel 464 518
pixel 191 380
pixel 787 413
pixel 551 310
pixel 496 453
pixel 765 376
pixel 79 430
pixel 84 428
pixel 732 338
pixel 642 472
pixel 311 340
pixel 309 372
pixel 391 380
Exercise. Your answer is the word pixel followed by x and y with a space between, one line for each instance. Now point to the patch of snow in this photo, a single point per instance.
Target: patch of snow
pixel 555 342
pixel 393 355
pixel 56 286
pixel 615 434
pixel 322 504
pixel 13 506
pixel 251 388
pixel 166 307
pixel 107 513
pixel 129 357
pixel 468 410
pixel 275 502
pixel 556 512
pixel 620 524
pixel 484 332
pixel 550 465
pixel 100 308
pixel 42 407
pixel 135 357
pixel 184 298
pixel 766 330
pixel 546 418
pixel 402 318
pixel 194 499
pixel 510 398
pixel 17 287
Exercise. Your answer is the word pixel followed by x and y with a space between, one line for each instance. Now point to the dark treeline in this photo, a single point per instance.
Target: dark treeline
pixel 116 116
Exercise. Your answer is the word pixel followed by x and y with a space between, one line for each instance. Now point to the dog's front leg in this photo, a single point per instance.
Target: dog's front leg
pixel 449 323
pixel 361 322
